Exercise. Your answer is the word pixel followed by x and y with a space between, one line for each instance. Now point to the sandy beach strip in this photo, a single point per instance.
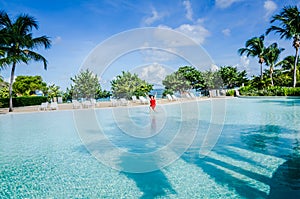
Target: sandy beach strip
pixel 104 104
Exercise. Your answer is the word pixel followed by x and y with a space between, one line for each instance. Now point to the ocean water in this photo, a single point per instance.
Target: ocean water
pixel 224 148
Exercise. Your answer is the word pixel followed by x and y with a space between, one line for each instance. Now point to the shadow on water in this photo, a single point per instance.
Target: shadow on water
pixel 285 181
pixel 289 101
pixel 264 140
pixel 153 184
pixel 261 137
pixel 267 141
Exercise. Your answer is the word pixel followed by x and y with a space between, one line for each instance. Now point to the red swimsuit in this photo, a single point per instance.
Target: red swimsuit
pixel 152 103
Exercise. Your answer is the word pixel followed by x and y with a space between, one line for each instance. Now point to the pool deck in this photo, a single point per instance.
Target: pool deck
pixel 69 106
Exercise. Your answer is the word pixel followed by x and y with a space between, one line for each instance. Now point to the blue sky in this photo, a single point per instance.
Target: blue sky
pixel 76 27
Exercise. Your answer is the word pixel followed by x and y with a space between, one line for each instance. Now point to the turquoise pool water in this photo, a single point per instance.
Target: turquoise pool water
pixel 256 156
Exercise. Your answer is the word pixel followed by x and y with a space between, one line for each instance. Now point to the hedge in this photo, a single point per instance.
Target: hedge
pixel 23 101
pixel 230 92
pixel 270 91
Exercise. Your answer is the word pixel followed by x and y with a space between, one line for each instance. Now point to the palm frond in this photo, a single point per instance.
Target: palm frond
pixel 25 24
pixel 41 41
pixel 4 19
pixel 289 23
pixel 36 57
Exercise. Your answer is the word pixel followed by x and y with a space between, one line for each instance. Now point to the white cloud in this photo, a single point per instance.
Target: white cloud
pixel 225 3
pixel 197 32
pixel 270 7
pixel 57 40
pixel 188 9
pixel 244 60
pixel 153 18
pixel 226 32
pixel 154 73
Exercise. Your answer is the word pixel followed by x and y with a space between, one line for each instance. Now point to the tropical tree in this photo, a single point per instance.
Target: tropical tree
pixel 86 85
pixel 194 76
pixel 212 80
pixel 53 91
pixel 3 88
pixel 126 85
pixel 289 28
pixel 283 78
pixel 103 94
pixel 232 77
pixel 287 65
pixel 176 82
pixel 271 57
pixel 27 85
pixel 18 44
pixel 255 48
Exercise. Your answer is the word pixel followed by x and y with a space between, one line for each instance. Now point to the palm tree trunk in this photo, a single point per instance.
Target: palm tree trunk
pixel 271 75
pixel 12 75
pixel 261 71
pixel 295 68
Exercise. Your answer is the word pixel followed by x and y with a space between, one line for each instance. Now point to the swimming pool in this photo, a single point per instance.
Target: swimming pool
pixel 256 155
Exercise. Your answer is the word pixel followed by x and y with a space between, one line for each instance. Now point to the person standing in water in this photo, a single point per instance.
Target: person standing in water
pixel 152 102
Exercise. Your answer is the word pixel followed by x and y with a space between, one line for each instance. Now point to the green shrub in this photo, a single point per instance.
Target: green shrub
pixel 4 102
pixel 248 91
pixel 292 91
pixel 270 91
pixel 23 101
pixel 230 92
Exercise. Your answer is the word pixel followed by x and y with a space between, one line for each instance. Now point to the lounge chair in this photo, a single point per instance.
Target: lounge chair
pixel 143 100
pixel 44 106
pixel 192 95
pixel 175 98
pixel 94 102
pixel 53 106
pixel 87 104
pixel 169 97
pixel 123 102
pixel 187 95
pixel 134 99
pixel 114 102
pixel 76 104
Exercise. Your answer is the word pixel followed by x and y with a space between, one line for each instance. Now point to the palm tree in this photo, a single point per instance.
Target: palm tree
pixel 289 19
pixel 17 42
pixel 287 64
pixel 271 57
pixel 255 48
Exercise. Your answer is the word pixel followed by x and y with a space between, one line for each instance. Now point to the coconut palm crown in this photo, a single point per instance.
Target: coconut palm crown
pixel 289 28
pixel 18 44
pixel 255 48
pixel 271 57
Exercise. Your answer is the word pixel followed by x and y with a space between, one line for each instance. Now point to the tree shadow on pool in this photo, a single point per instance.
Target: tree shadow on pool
pixel 153 184
pixel 285 181
pixel 247 183
pixel 283 102
pixel 225 163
